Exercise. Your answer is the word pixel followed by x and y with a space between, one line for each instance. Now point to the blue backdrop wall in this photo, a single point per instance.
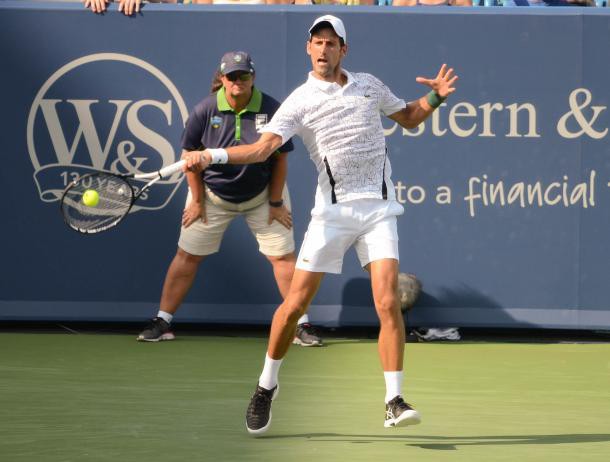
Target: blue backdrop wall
pixel 506 188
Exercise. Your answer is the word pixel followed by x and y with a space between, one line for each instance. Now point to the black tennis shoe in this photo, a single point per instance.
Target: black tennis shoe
pixel 306 335
pixel 258 415
pixel 158 329
pixel 398 413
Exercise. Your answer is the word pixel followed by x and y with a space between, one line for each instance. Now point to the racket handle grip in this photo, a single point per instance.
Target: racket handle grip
pixel 171 169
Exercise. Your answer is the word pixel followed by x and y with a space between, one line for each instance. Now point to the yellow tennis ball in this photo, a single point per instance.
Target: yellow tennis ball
pixel 91 198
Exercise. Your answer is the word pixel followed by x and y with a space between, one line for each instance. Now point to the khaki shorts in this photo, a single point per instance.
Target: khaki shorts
pixel 274 239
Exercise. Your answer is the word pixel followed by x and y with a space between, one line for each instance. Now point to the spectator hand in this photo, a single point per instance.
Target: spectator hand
pixel 282 215
pixel 193 212
pixel 443 83
pixel 129 7
pixel 97 6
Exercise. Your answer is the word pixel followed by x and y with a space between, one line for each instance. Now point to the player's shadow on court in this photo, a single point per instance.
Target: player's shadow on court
pixel 451 443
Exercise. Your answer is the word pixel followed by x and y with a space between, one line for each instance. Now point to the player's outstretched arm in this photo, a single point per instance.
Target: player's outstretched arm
pixel 416 112
pixel 266 145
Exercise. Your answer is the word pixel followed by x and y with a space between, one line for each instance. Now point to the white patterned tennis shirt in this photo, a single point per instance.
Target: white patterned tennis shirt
pixel 341 128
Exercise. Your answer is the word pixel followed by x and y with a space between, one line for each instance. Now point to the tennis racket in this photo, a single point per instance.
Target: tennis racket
pixel 99 201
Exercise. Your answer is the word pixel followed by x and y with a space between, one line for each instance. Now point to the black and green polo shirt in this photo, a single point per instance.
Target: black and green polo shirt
pixel 214 124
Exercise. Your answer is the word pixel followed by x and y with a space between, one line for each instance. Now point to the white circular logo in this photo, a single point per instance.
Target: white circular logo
pixel 105 111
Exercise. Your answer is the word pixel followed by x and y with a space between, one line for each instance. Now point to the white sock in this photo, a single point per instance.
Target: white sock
pixel 303 319
pixel 268 378
pixel 393 384
pixel 167 317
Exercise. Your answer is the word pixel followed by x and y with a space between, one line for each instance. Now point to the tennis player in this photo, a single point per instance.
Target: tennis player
pixel 337 114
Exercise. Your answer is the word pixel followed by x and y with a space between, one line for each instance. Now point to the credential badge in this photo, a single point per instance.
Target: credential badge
pixel 260 121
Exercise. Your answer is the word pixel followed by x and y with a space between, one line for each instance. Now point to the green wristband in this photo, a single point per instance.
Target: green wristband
pixel 434 99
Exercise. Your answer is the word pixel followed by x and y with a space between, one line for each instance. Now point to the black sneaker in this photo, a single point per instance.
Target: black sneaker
pixel 258 415
pixel 398 414
pixel 306 336
pixel 157 330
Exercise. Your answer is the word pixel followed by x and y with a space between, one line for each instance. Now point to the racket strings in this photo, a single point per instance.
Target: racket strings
pixel 115 199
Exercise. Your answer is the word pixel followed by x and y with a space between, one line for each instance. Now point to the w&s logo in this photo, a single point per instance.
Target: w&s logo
pixel 105 111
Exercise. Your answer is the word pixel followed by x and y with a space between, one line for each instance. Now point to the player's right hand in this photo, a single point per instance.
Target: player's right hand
pixel 196 161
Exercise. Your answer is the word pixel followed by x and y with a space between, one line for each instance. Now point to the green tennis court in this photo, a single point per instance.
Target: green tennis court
pixel 87 397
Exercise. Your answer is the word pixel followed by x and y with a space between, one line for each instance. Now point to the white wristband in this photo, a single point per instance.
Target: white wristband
pixel 219 156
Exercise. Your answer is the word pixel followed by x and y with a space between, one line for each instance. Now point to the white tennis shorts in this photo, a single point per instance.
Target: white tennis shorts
pixel 367 224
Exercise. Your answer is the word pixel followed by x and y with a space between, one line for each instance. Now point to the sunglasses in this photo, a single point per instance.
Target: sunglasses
pixel 234 76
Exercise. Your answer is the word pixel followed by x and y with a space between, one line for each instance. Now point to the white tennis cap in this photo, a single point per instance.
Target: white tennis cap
pixel 334 22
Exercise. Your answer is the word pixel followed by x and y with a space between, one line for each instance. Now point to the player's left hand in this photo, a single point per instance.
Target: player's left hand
pixel 443 83
pixel 282 215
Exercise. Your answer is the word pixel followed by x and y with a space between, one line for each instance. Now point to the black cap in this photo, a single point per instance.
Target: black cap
pixel 236 61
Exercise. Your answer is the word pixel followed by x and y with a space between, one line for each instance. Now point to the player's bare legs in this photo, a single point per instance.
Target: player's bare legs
pixel 303 288
pixel 283 269
pixel 179 279
pixel 384 282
